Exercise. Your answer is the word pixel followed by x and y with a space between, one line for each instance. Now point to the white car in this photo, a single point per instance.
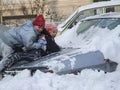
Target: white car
pixel 89 10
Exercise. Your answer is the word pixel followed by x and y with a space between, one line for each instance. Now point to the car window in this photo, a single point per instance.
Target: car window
pixel 85 25
pixel 114 24
pixel 101 23
pixel 108 23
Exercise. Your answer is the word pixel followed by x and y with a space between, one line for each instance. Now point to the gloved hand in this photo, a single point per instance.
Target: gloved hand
pixel 43 44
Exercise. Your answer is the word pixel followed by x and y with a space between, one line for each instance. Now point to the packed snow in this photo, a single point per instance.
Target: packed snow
pixel 94 39
pixel 108 42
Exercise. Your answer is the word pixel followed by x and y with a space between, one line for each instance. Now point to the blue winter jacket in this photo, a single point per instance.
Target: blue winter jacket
pixel 23 36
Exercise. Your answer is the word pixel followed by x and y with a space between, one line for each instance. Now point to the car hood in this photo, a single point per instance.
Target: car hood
pixel 67 60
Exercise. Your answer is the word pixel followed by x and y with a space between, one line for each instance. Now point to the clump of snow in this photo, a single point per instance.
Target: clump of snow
pixel 59 63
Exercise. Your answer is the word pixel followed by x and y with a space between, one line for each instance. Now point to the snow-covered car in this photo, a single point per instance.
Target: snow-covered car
pixel 86 47
pixel 89 10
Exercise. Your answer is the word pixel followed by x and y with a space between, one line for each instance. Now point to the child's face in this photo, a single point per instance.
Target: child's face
pixel 38 28
pixel 53 32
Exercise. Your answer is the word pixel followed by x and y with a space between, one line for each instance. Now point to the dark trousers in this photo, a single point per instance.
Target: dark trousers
pixel 19 56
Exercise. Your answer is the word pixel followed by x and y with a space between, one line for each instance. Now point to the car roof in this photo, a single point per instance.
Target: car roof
pixel 114 15
pixel 91 6
pixel 99 4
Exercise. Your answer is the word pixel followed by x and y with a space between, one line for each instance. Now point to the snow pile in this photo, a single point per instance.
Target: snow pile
pixel 107 41
pixel 87 79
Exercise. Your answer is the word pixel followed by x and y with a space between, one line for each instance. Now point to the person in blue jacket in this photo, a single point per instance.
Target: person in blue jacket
pixel 24 37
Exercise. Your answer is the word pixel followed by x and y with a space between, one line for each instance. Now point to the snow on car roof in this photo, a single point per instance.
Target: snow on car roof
pixel 99 4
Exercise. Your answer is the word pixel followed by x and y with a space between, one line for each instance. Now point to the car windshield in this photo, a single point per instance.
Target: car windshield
pixel 101 23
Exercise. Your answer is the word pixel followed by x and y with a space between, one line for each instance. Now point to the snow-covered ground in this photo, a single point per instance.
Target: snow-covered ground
pixel 86 80
pixel 104 40
pixel 108 42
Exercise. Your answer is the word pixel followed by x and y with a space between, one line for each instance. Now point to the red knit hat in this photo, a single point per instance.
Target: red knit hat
pixel 39 21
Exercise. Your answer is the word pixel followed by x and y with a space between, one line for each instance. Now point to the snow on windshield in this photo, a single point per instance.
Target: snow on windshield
pixel 105 40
